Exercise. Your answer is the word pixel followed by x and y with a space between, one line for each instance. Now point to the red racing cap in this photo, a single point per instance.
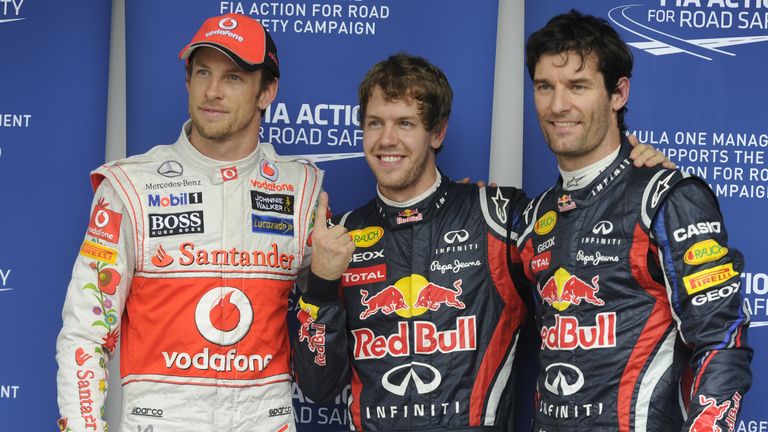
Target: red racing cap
pixel 240 37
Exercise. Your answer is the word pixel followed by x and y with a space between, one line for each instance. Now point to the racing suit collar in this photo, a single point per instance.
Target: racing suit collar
pixel 588 195
pixel 421 209
pixel 221 171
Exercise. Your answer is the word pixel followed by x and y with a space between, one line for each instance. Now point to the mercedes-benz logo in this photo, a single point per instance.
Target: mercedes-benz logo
pixel 425 372
pixel 603 227
pixel 170 169
pixel 563 379
pixel 452 237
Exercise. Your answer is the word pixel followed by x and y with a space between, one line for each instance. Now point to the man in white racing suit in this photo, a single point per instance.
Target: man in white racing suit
pixel 189 256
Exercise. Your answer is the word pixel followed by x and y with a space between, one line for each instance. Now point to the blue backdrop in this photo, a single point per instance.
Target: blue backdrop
pixel 698 92
pixel 53 102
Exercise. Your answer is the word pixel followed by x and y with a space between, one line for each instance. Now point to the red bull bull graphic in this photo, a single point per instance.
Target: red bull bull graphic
pixel 568 333
pixel 389 300
pixel 713 412
pixel 411 296
pixel 316 342
pixel 427 339
pixel 564 289
pixel 433 296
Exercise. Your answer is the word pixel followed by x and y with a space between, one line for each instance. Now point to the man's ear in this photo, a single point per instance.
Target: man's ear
pixel 268 95
pixel 439 135
pixel 620 96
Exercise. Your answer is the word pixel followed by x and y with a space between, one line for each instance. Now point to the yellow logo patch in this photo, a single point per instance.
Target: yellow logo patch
pixel 546 223
pixel 98 252
pixel 708 278
pixel 367 237
pixel 704 252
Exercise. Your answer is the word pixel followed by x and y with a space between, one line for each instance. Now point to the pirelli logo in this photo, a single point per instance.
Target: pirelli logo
pixel 708 278
pixel 98 252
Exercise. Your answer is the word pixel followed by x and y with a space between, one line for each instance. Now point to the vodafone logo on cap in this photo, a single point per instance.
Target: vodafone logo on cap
pixel 224 315
pixel 227 23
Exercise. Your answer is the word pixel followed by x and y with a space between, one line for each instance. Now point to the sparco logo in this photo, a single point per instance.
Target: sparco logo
pixel 563 379
pixel 148 412
pixel 230 308
pixel 161 225
pixel 170 169
pixel 275 412
pixel 425 378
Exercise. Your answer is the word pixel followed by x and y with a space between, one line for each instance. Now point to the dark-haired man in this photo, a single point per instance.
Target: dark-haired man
pixel 411 296
pixel 636 285
pixel 191 251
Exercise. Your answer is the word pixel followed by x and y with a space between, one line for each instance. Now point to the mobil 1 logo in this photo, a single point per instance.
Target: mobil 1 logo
pixel 168 224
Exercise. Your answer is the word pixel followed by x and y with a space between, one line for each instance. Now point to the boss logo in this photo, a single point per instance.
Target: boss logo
pixel 161 225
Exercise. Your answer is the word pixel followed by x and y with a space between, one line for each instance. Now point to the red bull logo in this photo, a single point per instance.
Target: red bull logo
pixel 564 289
pixel 568 333
pixel 409 215
pixel 316 342
pixel 389 300
pixel 707 419
pixel 411 296
pixel 427 339
pixel 565 203
pixel 432 296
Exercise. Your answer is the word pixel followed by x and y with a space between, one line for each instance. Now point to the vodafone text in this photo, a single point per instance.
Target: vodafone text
pixel 218 362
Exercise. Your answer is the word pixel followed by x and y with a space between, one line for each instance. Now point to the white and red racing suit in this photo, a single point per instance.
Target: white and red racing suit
pixel 189 261
pixel 638 304
pixel 426 325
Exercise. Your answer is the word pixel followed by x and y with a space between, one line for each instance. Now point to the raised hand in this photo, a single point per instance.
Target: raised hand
pixel 332 247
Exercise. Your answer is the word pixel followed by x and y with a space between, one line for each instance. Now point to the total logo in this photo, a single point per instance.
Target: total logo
pixel 563 379
pixel 223 316
pixel 174 200
pixel 564 289
pixel 409 297
pixel 364 275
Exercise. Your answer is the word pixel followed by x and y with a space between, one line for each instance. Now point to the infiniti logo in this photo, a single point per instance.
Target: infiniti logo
pixel 170 169
pixel 603 227
pixel 563 379
pixel 452 237
pixel 425 371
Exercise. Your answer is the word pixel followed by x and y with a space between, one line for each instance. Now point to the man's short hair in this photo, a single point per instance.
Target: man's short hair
pixel 584 35
pixel 406 76
pixel 267 76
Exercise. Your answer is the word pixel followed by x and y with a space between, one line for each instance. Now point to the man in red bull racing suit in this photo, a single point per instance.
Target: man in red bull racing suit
pixel 411 296
pixel 638 293
pixel 428 314
pixel 189 257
